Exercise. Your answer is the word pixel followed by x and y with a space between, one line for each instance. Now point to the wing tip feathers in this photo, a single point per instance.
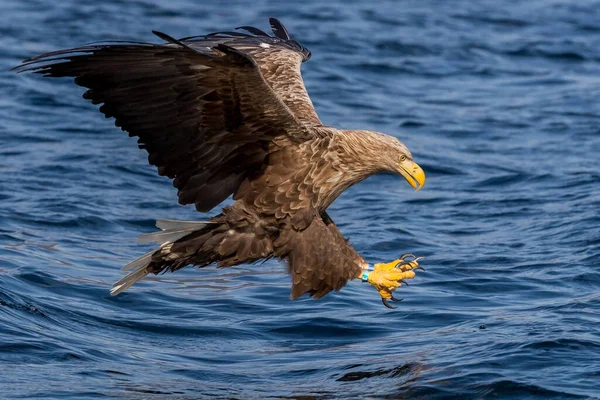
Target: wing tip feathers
pixel 279 29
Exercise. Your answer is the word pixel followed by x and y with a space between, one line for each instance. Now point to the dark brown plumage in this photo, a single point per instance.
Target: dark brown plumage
pixel 228 114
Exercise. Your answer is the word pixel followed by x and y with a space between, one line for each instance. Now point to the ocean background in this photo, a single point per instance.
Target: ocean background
pixel 499 103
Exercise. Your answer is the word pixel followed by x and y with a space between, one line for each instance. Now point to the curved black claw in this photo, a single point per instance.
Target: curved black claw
pixel 385 303
pixel 401 264
pixel 403 282
pixel 403 256
pixel 395 299
pixel 419 267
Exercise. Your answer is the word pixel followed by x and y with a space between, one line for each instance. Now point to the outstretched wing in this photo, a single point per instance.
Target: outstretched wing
pixel 319 257
pixel 206 116
pixel 279 59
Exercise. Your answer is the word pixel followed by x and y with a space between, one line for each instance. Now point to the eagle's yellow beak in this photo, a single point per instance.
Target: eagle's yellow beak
pixel 413 174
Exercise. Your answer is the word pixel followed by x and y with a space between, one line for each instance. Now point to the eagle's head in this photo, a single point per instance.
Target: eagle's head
pixel 373 152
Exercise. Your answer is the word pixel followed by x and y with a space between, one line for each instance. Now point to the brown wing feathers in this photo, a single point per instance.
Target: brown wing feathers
pixel 279 59
pixel 205 118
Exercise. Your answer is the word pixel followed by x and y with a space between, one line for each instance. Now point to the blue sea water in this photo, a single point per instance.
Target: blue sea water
pixel 498 101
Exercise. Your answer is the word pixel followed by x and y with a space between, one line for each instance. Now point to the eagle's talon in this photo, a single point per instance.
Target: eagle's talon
pixel 387 277
pixel 385 303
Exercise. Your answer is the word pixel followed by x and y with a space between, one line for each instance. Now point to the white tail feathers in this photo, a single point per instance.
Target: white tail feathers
pixel 171 231
pixel 166 224
pixel 143 260
pixel 138 268
pixel 138 273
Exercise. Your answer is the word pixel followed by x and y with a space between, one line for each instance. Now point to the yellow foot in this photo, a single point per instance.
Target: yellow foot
pixel 388 277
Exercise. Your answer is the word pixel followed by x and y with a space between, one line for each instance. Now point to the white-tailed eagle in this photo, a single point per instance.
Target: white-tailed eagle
pixel 228 114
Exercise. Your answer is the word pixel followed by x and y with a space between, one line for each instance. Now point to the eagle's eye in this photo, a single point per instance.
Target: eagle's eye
pixel 402 158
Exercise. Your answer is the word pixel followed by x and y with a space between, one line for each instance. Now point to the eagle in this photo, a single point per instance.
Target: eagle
pixel 227 114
